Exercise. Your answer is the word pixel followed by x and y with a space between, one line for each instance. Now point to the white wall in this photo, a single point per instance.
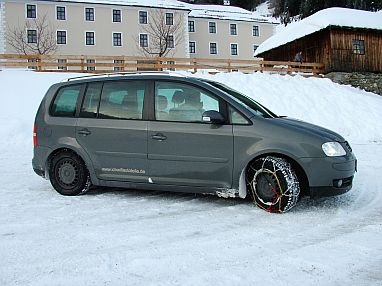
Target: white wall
pixel 2 27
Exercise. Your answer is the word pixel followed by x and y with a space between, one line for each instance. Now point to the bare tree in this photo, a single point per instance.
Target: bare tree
pixel 164 33
pixel 42 40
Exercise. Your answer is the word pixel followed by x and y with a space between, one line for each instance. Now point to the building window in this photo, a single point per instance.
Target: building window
pixel 118 62
pixel 192 47
pixel 169 18
pixel 213 49
pixel 234 50
pixel 143 40
pixel 91 68
pixel 32 36
pixel 142 17
pixel 171 63
pixel 117 39
pixel 90 39
pixel 359 47
pixel 191 26
pixel 255 31
pixel 60 11
pixel 31 11
pixel 170 42
pixel 62 61
pixel 255 48
pixel 61 37
pixel 233 29
pixel 32 61
pixel 117 16
pixel 89 14
pixel 212 27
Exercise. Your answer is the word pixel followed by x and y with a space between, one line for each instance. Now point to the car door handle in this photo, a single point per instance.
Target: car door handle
pixel 159 137
pixel 84 132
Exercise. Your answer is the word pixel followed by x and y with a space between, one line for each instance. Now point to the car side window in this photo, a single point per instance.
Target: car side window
pixel 122 100
pixel 90 103
pixel 181 102
pixel 65 101
pixel 236 117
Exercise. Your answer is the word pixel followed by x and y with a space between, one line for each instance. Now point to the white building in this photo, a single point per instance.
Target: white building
pixel 119 27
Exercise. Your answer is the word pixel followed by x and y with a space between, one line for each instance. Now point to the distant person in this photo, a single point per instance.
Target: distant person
pixel 299 58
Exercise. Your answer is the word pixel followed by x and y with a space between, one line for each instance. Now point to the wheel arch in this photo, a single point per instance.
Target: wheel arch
pixel 78 153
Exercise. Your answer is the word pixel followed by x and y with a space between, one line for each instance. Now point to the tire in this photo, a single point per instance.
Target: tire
pixel 272 184
pixel 68 174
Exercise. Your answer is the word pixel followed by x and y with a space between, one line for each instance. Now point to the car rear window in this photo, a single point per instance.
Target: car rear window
pixel 65 102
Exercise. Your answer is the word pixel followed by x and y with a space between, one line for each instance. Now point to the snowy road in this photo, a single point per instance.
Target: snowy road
pixel 115 237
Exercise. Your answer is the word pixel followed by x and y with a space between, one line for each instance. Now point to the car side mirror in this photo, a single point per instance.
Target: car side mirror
pixel 212 116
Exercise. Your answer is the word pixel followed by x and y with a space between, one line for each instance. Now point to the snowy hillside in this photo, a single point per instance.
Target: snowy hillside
pixel 115 237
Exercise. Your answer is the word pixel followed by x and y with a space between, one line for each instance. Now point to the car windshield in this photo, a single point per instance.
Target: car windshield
pixel 248 102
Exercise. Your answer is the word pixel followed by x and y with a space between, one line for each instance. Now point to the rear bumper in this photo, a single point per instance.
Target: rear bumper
pixel 40 156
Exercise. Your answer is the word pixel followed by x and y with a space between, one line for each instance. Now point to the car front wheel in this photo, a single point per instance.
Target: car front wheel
pixel 272 184
pixel 68 174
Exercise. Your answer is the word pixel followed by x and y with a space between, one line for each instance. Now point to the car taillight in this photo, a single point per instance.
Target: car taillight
pixel 35 136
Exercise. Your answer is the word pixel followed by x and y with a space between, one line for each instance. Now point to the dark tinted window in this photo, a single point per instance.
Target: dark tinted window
pixel 122 100
pixel 66 101
pixel 91 100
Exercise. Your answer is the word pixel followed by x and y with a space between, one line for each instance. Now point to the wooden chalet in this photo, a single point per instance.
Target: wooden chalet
pixel 344 40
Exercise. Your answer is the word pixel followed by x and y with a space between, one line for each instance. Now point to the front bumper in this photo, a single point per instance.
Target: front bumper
pixel 324 173
pixel 318 192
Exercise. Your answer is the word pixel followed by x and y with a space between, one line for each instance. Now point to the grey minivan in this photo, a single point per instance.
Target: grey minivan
pixel 163 131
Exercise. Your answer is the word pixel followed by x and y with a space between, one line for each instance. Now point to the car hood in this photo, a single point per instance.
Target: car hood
pixel 310 128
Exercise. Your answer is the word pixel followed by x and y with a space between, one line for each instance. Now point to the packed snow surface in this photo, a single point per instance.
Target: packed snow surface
pixel 341 17
pixel 126 237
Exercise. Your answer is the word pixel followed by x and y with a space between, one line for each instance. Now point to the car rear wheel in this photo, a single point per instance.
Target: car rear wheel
pixel 68 174
pixel 273 184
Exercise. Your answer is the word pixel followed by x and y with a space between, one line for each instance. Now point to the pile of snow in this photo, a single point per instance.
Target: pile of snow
pixel 340 17
pixel 349 111
pixel 263 10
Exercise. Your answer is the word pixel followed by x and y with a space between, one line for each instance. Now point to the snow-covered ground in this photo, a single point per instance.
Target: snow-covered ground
pixel 116 237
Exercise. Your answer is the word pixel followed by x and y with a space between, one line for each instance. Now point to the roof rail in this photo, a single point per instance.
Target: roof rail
pixel 123 73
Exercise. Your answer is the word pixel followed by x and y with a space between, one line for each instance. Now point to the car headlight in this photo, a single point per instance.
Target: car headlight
pixel 333 149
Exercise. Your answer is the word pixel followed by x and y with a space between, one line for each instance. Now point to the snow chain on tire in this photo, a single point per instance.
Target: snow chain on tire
pixel 273 184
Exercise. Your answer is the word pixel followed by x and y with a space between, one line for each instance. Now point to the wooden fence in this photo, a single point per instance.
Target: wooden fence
pixel 107 64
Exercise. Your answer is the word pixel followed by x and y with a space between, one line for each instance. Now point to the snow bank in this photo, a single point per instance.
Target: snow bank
pixel 353 113
pixel 341 17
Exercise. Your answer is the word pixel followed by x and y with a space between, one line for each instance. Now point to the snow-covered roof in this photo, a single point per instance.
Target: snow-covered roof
pixel 341 17
pixel 225 13
pixel 167 4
